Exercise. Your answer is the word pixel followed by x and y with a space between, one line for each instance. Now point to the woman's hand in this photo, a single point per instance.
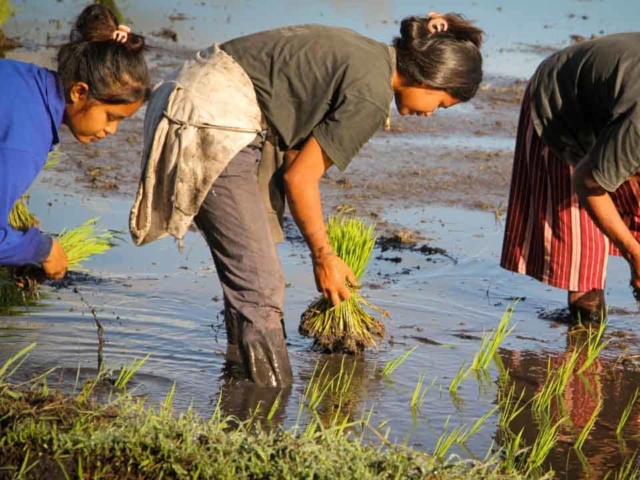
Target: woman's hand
pixel 55 266
pixel 332 275
pixel 634 265
pixel 600 207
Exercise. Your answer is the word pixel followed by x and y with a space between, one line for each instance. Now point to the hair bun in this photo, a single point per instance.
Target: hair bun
pixel 413 31
pixel 136 43
pixel 96 23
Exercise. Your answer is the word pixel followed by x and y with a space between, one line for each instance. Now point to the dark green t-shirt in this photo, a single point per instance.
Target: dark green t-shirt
pixel 586 103
pixel 330 82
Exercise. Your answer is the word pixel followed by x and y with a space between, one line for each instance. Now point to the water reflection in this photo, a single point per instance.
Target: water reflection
pixel 602 389
pixel 332 393
pixel 243 400
pixel 13 299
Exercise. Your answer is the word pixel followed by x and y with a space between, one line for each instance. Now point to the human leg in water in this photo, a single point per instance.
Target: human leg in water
pixel 587 307
pixel 234 222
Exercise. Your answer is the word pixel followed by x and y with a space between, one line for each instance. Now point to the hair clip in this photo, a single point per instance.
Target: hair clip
pixel 436 23
pixel 121 34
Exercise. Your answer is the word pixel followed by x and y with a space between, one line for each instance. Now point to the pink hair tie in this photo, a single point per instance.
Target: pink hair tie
pixel 436 23
pixel 121 34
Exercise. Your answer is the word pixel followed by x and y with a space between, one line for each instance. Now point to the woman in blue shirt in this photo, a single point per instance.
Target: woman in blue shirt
pixel 102 78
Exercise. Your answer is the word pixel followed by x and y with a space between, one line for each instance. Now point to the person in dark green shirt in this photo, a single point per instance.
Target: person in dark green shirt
pixel 323 92
pixel 574 192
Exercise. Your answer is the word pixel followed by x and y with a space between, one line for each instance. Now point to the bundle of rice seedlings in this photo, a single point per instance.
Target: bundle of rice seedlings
pixel 347 327
pixel 21 218
pixel 84 242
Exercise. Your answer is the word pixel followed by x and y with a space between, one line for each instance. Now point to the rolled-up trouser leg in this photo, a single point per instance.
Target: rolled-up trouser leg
pixel 234 222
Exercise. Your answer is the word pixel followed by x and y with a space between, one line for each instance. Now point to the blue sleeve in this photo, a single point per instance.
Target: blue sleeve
pixel 18 169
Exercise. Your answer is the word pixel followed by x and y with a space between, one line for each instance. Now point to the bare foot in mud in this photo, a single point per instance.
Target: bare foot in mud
pixel 587 307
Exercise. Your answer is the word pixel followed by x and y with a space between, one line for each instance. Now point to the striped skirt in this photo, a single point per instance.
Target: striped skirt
pixel 548 235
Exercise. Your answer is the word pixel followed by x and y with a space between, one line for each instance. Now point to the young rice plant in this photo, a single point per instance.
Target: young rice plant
pixel 347 327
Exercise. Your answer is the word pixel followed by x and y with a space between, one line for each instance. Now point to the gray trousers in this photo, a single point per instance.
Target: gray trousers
pixel 233 220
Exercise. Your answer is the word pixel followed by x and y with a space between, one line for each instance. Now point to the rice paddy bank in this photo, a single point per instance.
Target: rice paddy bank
pixel 45 434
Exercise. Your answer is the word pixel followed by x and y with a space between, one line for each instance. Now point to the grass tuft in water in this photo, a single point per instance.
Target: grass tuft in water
pixel 492 341
pixel 584 434
pixel 626 413
pixel 392 365
pixel 347 327
pixel 128 371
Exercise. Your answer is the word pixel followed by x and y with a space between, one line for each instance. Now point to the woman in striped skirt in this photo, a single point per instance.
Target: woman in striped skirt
pixel 575 198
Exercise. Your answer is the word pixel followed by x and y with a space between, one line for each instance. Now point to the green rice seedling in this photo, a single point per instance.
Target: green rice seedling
pixel 392 365
pixel 514 451
pixel 566 370
pixel 20 218
pixel 492 341
pixel 54 158
pixel 584 434
pixel 626 413
pixel 544 443
pixel 556 382
pixel 477 426
pixel 83 242
pixel 168 401
pixel 510 406
pixel 347 327
pixel 627 471
pixel 18 357
pixel 447 439
pixel 594 345
pixel 419 393
pixel 274 408
pixel 460 377
pixel 128 371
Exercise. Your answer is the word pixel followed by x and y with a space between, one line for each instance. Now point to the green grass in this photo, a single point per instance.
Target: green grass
pixel 392 365
pixel 492 341
pixel 47 434
pixel 626 413
pixel 333 436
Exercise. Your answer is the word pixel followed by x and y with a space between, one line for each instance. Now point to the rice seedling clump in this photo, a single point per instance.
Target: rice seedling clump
pixel 347 327
pixel 20 218
pixel 83 242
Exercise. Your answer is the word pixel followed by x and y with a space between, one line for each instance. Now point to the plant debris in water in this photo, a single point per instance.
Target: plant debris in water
pixel 347 327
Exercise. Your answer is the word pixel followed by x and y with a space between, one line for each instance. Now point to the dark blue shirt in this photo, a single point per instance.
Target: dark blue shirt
pixel 31 110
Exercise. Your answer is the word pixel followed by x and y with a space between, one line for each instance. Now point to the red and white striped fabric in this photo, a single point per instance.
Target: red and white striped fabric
pixel 548 235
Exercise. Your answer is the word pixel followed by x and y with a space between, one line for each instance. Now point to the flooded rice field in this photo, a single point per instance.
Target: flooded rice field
pixel 444 180
pixel 158 301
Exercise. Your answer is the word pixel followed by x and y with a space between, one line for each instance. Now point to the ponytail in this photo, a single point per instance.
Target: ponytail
pixel 112 66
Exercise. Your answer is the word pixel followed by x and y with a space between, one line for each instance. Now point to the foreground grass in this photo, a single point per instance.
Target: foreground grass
pixel 48 435
pixel 45 434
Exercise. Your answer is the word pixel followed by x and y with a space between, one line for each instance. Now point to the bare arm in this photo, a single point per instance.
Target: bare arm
pixel 303 171
pixel 598 203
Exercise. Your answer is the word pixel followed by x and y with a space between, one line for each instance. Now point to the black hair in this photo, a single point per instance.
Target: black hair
pixel 116 72
pixel 449 60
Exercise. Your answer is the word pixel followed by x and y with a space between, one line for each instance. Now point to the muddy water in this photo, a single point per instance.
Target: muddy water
pixel 160 301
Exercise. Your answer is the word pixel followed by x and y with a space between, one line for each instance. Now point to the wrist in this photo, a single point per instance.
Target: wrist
pixel 321 252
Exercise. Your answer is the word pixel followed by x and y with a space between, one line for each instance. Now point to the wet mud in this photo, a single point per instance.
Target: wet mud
pixel 437 190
